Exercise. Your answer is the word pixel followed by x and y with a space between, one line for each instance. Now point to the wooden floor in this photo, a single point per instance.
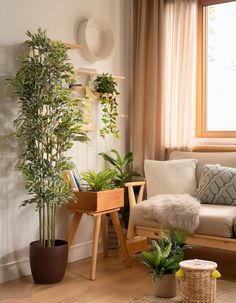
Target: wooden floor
pixel 114 282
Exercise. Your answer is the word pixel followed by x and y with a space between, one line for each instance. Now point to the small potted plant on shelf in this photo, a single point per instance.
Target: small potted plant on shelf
pixel 105 89
pixel 47 124
pixel 164 261
pixel 100 195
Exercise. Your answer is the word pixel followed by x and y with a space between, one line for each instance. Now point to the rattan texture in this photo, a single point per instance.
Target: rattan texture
pixel 198 286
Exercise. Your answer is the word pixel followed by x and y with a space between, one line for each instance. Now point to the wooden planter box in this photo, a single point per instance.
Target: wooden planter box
pixel 98 201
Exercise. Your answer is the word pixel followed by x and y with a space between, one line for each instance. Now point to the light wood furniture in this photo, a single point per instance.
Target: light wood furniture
pixel 93 73
pixel 97 205
pixel 97 201
pixel 69 44
pixel 137 245
pixel 155 233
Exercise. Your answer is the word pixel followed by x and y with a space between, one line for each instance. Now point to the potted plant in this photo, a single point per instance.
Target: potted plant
pixel 123 174
pixel 105 88
pixel 48 122
pixel 101 194
pixel 164 261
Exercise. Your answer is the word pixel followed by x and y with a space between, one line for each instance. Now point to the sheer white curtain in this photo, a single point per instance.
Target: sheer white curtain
pixel 162 109
pixel 179 73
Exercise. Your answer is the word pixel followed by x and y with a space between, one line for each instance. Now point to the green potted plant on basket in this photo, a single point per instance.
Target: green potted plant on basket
pixel 47 124
pixel 164 261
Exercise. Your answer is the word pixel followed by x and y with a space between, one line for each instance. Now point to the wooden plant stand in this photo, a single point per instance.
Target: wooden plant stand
pixel 98 205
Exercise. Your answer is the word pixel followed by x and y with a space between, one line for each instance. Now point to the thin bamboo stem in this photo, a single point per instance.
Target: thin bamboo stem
pixel 40 227
pixel 43 226
pixel 53 223
pixel 48 224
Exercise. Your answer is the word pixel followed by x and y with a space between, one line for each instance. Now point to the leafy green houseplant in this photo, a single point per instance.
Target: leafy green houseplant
pixel 120 166
pixel 100 181
pixel 48 122
pixel 100 193
pixel 164 261
pixel 123 174
pixel 105 87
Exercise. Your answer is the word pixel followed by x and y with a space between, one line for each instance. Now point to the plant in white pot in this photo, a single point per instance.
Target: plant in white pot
pixel 48 122
pixel 164 262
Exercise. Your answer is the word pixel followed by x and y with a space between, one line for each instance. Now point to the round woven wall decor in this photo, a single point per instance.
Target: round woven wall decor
pixel 97 38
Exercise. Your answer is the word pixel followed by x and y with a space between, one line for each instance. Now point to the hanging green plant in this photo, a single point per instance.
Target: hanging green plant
pixel 85 97
pixel 105 86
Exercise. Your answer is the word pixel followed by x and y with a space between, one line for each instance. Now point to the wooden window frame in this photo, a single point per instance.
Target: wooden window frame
pixel 201 130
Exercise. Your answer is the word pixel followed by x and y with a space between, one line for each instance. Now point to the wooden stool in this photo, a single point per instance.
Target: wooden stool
pixel 99 220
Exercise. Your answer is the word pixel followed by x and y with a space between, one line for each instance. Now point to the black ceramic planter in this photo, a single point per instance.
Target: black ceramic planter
pixel 48 264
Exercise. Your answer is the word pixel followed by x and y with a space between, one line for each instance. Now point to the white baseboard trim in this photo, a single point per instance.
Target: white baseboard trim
pixel 82 251
pixel 13 270
pixel 20 268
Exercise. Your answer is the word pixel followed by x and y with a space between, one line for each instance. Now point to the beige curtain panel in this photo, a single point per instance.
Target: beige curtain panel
pixel 162 110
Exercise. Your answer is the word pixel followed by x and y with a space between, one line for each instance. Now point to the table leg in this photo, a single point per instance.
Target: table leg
pixel 97 222
pixel 116 223
pixel 73 228
pixel 104 236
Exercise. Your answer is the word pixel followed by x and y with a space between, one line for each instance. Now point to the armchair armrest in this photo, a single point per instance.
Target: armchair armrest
pixel 132 203
pixel 135 183
pixel 130 185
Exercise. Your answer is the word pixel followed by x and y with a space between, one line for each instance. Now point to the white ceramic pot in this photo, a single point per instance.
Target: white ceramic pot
pixel 165 287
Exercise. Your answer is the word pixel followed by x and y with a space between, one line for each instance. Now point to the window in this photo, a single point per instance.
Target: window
pixel 216 70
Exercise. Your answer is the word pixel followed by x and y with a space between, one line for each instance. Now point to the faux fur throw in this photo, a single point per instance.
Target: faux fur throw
pixel 181 211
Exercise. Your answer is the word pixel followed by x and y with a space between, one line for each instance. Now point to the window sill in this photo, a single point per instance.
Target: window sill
pixel 214 144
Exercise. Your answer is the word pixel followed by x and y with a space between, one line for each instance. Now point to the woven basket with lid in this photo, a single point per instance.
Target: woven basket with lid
pixel 198 286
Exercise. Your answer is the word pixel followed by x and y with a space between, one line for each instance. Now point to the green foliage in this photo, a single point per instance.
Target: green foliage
pixel 120 166
pixel 123 174
pixel 165 257
pixel 105 86
pixel 100 181
pixel 48 122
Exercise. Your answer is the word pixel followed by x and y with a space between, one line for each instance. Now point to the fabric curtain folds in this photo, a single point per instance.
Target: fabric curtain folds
pixel 162 110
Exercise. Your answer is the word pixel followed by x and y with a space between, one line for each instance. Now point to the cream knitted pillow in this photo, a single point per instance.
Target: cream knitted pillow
pixel 170 177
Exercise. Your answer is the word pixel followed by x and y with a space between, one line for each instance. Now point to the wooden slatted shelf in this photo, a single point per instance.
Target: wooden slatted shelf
pixel 70 45
pixel 93 73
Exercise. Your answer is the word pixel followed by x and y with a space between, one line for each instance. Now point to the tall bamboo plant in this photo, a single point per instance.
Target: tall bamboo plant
pixel 48 122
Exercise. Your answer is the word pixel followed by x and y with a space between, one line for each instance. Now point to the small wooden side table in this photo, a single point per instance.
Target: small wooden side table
pixel 99 220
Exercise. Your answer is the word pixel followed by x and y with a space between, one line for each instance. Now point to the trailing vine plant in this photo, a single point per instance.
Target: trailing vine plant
pixel 105 86
pixel 48 122
pixel 84 96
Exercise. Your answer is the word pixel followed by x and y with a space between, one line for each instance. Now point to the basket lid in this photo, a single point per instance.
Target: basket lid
pixel 198 265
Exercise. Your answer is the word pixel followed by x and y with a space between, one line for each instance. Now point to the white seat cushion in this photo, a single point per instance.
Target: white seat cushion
pixel 215 220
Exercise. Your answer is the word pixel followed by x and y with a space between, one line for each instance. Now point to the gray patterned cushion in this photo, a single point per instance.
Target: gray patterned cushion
pixel 217 185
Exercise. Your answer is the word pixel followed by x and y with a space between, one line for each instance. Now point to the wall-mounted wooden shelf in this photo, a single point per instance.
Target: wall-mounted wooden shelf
pixel 93 73
pixel 70 45
pixel 87 128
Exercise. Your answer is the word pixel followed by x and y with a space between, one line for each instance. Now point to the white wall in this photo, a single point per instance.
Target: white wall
pixel 18 226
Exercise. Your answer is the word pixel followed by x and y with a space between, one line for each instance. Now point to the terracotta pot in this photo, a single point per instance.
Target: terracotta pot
pixel 48 264
pixel 165 287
